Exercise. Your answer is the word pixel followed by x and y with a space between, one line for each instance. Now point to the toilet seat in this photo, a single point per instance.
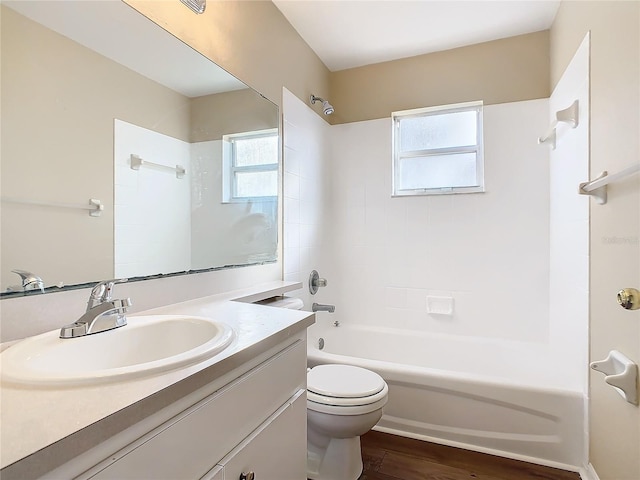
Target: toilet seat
pixel 345 390
pixel 344 381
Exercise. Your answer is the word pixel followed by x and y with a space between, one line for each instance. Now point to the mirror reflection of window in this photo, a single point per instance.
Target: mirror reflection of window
pixel 251 164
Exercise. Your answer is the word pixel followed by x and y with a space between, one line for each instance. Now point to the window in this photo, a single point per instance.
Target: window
pixel 438 150
pixel 251 166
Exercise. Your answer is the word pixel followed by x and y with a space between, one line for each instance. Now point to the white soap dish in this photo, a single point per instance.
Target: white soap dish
pixel 440 305
pixel 621 373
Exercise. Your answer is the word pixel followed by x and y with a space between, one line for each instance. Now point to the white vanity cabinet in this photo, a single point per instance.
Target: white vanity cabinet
pixel 269 453
pixel 256 423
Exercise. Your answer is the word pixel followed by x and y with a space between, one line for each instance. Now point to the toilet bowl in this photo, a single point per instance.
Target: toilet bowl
pixel 343 402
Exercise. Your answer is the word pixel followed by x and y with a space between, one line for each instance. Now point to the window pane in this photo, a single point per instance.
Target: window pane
pixel 257 184
pixel 437 171
pixel 438 131
pixel 256 151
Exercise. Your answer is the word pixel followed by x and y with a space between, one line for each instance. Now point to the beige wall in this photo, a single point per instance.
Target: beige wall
pixel 236 112
pixel 253 41
pixel 615 227
pixel 508 70
pixel 250 39
pixel 59 100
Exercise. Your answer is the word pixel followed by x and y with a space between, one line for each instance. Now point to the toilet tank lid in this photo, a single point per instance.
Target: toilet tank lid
pixel 344 381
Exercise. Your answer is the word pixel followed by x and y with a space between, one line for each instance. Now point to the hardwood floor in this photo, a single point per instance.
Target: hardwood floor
pixel 390 457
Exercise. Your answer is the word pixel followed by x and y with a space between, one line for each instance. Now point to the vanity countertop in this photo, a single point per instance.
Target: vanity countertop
pixel 42 427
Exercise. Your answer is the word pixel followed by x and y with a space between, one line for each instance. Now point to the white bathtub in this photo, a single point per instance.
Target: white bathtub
pixel 481 394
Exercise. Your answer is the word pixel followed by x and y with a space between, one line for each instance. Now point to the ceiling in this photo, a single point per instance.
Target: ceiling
pixel 352 33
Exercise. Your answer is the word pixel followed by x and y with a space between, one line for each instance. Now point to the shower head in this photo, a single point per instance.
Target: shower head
pixel 327 108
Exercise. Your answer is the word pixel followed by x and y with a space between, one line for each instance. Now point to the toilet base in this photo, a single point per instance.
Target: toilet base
pixel 341 459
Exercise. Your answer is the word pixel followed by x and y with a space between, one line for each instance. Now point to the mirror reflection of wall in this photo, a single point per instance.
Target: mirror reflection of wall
pixel 152 203
pixel 60 100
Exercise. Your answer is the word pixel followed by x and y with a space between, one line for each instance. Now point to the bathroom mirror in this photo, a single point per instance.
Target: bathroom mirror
pixel 125 153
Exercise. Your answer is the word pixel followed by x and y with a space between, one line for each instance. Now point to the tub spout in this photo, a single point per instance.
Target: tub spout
pixel 318 307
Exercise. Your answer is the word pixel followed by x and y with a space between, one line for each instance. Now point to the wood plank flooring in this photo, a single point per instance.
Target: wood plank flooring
pixel 390 457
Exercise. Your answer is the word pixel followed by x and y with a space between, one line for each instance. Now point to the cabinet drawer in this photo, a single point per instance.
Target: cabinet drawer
pixel 191 443
pixel 274 451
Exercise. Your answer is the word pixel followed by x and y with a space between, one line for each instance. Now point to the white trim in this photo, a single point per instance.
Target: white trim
pixel 477 149
pixel 588 473
pixel 450 108
pixel 489 451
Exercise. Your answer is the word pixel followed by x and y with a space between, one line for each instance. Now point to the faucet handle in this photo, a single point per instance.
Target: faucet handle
pixel 101 292
pixel 316 282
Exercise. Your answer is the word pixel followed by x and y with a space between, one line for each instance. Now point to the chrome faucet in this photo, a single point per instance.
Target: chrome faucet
pixel 102 313
pixel 318 307
pixel 28 281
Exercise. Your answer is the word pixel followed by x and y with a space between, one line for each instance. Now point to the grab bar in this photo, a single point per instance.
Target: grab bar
pixel 136 162
pixel 597 188
pixel 94 206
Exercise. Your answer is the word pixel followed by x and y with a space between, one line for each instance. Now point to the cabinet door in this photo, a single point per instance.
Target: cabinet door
pixel 217 473
pixel 187 446
pixel 277 450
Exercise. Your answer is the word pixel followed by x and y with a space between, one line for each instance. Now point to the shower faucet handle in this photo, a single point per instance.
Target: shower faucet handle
pixel 316 282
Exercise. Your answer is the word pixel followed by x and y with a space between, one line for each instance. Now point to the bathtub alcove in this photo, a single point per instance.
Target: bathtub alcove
pixel 474 308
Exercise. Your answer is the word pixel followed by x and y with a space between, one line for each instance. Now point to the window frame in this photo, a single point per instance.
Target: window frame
pixel 229 183
pixel 477 148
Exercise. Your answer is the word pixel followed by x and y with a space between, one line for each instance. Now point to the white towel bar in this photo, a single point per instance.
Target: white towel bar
pixel 597 188
pixel 136 162
pixel 94 206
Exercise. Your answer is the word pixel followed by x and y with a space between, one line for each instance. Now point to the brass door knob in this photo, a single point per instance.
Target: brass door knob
pixel 629 298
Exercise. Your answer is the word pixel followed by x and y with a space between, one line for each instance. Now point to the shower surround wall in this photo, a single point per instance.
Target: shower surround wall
pixel 569 221
pixel 489 252
pixel 307 200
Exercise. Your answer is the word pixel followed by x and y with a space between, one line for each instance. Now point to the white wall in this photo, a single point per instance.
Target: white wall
pixel 307 201
pixel 488 251
pixel 152 206
pixel 569 224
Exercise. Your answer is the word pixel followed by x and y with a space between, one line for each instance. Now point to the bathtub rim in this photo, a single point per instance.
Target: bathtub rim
pixel 400 370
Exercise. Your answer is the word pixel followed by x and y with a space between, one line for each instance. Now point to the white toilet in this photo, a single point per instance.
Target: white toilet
pixel 343 402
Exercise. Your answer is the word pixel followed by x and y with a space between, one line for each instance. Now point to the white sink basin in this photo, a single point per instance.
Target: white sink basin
pixel 146 346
